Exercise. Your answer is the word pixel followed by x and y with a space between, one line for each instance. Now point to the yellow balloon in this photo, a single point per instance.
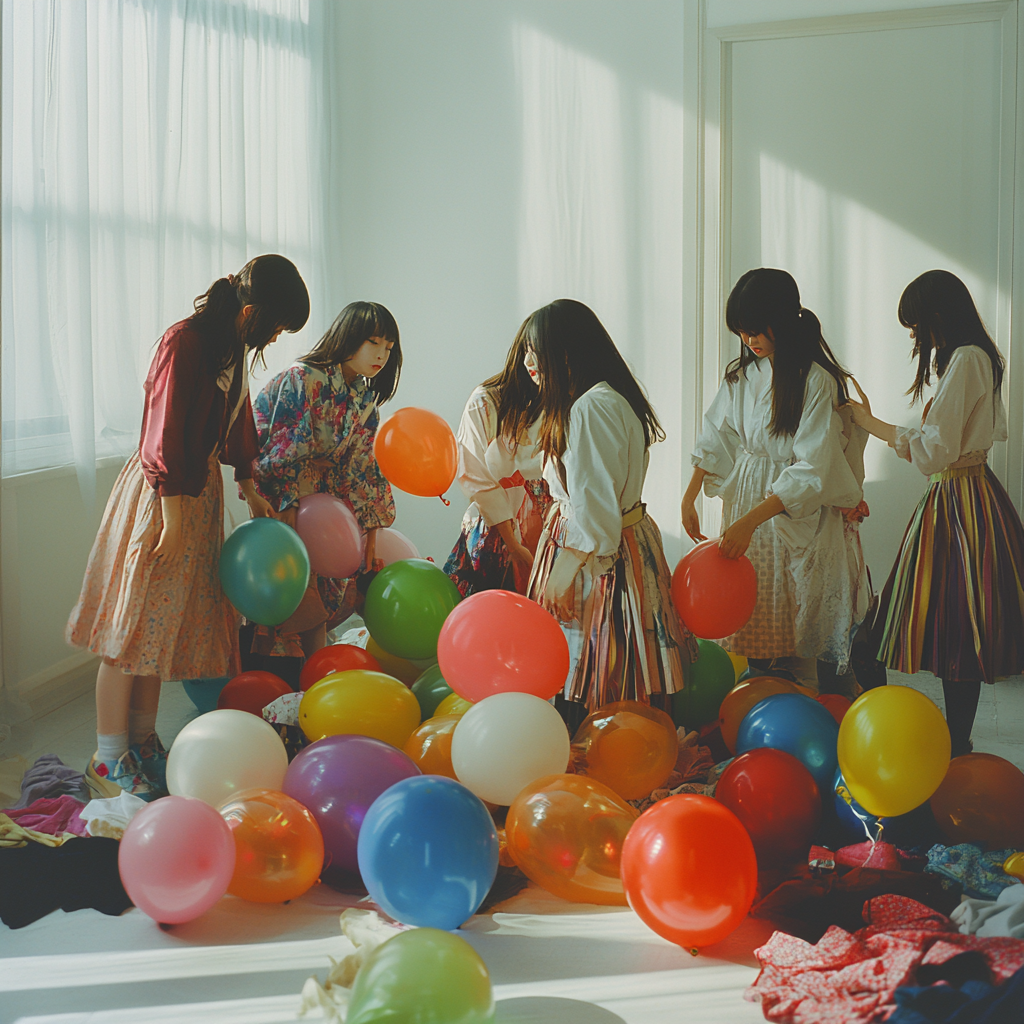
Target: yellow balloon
pixel 362 703
pixel 453 704
pixel 739 663
pixel 399 668
pixel 1014 865
pixel 893 749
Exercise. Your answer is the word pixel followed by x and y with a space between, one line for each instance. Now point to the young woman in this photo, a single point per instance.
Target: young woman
pixel 954 601
pixel 600 566
pixel 316 423
pixel 773 448
pixel 500 472
pixel 151 604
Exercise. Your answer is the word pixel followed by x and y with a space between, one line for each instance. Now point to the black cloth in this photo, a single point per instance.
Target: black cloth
pixel 36 880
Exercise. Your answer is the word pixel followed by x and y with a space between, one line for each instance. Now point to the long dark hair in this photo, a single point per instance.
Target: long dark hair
pixel 574 352
pixel 939 309
pixel 356 323
pixel 274 288
pixel 516 397
pixel 766 298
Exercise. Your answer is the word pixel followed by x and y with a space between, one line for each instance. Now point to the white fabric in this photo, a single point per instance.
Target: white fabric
pixel 966 415
pixel 111 817
pixel 148 149
pixel 605 463
pixel 485 460
pixel 1003 916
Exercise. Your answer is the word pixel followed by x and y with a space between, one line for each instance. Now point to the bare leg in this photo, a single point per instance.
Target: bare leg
pixel 145 693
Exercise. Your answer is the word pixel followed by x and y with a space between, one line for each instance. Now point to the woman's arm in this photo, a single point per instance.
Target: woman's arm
pixel 736 538
pixel 863 417
pixel 168 547
pixel 688 510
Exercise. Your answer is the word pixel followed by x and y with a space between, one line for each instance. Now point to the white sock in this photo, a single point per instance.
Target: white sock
pixel 112 746
pixel 140 725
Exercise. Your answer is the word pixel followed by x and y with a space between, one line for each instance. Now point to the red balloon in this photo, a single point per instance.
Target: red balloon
pixel 776 800
pixel 689 870
pixel 714 595
pixel 499 642
pixel 252 692
pixel 335 658
pixel 836 703
pixel 417 452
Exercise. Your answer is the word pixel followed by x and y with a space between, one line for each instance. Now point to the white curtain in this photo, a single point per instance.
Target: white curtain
pixel 149 147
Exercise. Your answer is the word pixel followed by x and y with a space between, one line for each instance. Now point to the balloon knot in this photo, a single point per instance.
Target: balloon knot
pixel 694 951
pixel 444 501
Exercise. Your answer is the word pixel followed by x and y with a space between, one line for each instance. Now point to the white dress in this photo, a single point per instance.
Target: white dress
pixel 812 580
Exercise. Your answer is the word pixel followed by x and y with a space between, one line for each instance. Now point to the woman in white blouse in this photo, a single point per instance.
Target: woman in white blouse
pixel 954 601
pixel 775 448
pixel 600 564
pixel 500 473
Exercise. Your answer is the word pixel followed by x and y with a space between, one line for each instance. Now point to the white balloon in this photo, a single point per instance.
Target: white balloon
pixel 506 742
pixel 223 752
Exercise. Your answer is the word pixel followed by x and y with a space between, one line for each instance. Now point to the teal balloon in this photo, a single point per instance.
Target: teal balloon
pixel 710 678
pixel 264 570
pixel 406 606
pixel 430 689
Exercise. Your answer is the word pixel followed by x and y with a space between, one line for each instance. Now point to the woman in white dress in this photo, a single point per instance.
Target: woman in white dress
pixel 500 472
pixel 600 565
pixel 775 448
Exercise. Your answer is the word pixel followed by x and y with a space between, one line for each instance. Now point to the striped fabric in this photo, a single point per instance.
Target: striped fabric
pixel 954 601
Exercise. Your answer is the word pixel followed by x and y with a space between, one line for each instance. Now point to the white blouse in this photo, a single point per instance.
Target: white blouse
pixel 487 465
pixel 605 462
pixel 966 415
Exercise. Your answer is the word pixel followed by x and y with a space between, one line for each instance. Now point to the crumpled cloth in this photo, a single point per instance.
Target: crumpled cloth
pixel 366 931
pixel 852 979
pixel 981 874
pixel 52 815
pixel 1001 916
pixel 695 772
pixel 973 1002
pixel 883 856
pixel 110 817
pixel 13 835
pixel 50 776
pixel 284 710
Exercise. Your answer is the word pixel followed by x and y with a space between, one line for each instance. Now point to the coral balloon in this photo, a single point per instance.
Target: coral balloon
pixel 500 642
pixel 430 689
pixel 359 702
pixel 222 753
pixel 714 595
pixel 336 658
pixel 417 452
pixel 836 704
pixel 392 546
pixel 332 535
pixel 741 698
pixel 430 746
pixel 397 668
pixel 279 851
pixel 176 859
pixel 338 779
pixel 252 692
pixel 453 704
pixel 689 870
pixel 407 605
pixel 627 746
pixel 893 749
pixel 506 742
pixel 565 832
pixel 776 800
pixel 981 800
pixel 710 678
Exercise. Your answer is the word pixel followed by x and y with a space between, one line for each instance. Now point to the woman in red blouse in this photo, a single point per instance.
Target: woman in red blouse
pixel 151 604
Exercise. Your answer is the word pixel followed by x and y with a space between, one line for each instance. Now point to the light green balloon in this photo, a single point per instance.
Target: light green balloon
pixel 424 976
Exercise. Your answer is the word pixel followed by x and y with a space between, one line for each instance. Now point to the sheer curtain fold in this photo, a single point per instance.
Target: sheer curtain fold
pixel 149 147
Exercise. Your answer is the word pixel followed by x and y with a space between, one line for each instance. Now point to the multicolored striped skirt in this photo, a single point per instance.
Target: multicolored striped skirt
pixel 626 641
pixel 954 601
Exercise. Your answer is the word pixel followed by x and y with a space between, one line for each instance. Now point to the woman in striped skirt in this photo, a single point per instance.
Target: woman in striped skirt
pixel 954 601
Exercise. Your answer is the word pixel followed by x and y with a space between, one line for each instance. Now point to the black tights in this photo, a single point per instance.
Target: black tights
pixel 961 707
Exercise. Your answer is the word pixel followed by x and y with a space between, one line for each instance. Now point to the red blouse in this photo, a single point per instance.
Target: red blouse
pixel 186 416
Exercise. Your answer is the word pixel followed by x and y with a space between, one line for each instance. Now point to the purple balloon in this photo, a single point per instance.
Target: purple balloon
pixel 337 778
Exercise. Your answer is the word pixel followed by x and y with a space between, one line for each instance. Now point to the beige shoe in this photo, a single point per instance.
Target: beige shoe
pixel 124 776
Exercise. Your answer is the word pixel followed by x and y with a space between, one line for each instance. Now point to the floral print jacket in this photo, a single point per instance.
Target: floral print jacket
pixel 316 435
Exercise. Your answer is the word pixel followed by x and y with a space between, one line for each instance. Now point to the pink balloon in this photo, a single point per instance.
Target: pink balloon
pixel 332 535
pixel 176 859
pixel 393 546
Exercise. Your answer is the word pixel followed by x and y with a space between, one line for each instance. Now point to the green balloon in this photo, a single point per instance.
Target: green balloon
pixel 406 606
pixel 710 678
pixel 264 570
pixel 423 976
pixel 430 689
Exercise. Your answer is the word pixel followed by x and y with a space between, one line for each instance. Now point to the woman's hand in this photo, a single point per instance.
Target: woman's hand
pixel 864 398
pixel 287 515
pixel 736 539
pixel 561 605
pixel 517 550
pixel 559 592
pixel 691 521
pixel 169 546
pixel 259 507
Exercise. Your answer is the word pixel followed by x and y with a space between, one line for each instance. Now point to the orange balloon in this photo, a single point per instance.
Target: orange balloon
pixel 430 746
pixel 565 832
pixel 453 704
pixel 279 851
pixel 981 800
pixel 504 857
pixel 689 870
pixel 714 595
pixel 417 452
pixel 628 746
pixel 742 697
pixel 398 668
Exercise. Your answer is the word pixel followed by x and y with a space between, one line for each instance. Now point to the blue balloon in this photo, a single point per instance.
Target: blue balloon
pixel 798 725
pixel 428 852
pixel 204 692
pixel 856 823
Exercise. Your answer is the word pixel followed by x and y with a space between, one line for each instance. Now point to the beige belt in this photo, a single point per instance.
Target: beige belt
pixel 976 458
pixel 634 515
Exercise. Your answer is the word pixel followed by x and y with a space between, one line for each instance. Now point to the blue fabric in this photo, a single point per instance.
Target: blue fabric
pixel 981 874
pixel 975 1002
